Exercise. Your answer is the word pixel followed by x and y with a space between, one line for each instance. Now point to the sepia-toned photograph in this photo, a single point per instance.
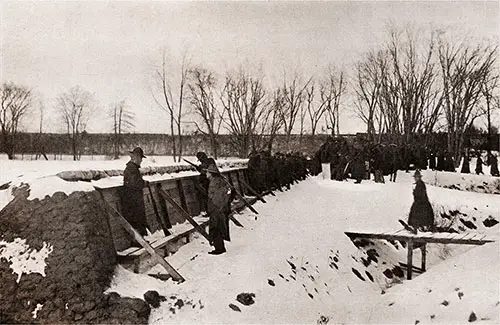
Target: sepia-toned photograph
pixel 249 162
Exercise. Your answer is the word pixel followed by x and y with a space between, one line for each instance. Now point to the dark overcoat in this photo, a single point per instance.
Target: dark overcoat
pixel 421 213
pixel 219 199
pixel 132 197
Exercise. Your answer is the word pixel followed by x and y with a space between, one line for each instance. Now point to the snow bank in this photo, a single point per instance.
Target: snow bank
pixel 448 294
pixel 23 259
pixel 302 268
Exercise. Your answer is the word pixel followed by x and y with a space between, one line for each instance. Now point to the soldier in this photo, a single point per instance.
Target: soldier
pixel 465 164
pixel 205 161
pixel 132 196
pixel 432 160
pixel 494 165
pixel 479 164
pixel 421 213
pixel 219 208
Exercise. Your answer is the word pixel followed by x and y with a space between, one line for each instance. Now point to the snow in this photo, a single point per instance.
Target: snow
pixel 304 227
pixel 37 309
pixel 23 259
pixel 295 257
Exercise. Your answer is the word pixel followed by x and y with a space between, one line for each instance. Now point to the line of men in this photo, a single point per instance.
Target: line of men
pixel 358 159
pixel 268 172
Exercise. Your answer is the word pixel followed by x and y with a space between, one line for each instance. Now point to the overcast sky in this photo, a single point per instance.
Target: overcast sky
pixel 111 48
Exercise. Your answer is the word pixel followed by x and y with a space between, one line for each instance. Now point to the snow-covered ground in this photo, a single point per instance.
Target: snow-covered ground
pixel 302 268
pixel 296 259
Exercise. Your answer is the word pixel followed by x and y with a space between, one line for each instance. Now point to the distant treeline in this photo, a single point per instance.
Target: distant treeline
pixel 160 144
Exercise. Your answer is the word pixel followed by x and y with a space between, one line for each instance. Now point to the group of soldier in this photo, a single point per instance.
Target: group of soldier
pixel 267 172
pixel 358 159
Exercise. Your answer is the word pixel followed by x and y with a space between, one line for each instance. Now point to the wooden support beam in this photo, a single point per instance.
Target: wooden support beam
pixel 181 194
pixel 423 249
pixel 135 234
pixel 254 192
pixel 409 261
pixel 183 212
pixel 240 186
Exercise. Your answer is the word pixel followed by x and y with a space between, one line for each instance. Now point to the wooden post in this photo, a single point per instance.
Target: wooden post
pixel 183 212
pixel 424 255
pixel 254 192
pixel 240 186
pixel 135 234
pixel 410 259
pixel 181 194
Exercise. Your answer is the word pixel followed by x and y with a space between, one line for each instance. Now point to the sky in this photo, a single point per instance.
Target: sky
pixel 113 48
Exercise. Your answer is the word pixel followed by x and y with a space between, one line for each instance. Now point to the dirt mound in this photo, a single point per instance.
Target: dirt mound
pixel 65 284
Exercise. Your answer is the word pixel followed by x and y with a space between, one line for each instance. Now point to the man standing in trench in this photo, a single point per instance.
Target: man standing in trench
pixel 204 182
pixel 132 192
pixel 219 208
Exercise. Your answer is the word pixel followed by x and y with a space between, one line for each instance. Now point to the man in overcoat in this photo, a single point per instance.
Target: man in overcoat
pixel 219 208
pixel 421 213
pixel 132 192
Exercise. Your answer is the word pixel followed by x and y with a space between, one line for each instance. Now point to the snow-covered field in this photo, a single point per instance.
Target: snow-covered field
pixel 296 259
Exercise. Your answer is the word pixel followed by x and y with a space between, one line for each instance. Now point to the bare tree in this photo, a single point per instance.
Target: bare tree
pixel 331 92
pixel 294 94
pixel 40 143
pixel 123 121
pixel 367 85
pixel 202 85
pixel 15 103
pixel 75 107
pixel 271 124
pixel 465 70
pixel 489 87
pixel 171 103
pixel 410 100
pixel 244 100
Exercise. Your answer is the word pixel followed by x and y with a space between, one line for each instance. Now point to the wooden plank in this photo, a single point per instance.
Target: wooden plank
pixel 162 242
pixel 409 260
pixel 135 234
pixel 183 212
pixel 442 238
pixel 181 194
pixel 423 249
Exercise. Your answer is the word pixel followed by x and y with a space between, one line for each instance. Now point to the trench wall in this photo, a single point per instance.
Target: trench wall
pixel 66 284
pixel 183 190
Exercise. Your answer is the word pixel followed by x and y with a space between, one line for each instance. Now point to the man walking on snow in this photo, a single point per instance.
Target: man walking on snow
pixel 132 192
pixel 421 213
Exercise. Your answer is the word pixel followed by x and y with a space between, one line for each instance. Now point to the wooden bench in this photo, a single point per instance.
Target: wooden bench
pixel 421 239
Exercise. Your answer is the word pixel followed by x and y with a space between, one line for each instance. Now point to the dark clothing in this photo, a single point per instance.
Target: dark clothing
pixel 479 165
pixel 358 169
pixel 219 208
pixel 132 198
pixel 204 182
pixel 432 161
pixel 421 213
pixel 494 166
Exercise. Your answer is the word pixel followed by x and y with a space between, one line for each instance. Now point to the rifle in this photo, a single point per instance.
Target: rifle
pixel 192 164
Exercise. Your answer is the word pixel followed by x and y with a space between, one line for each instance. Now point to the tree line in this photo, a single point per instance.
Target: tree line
pixel 416 82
